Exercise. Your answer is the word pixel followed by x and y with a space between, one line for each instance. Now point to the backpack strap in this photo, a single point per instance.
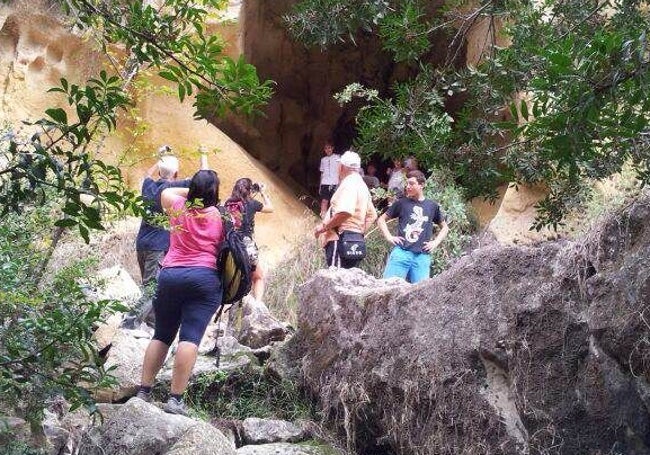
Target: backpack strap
pixel 226 219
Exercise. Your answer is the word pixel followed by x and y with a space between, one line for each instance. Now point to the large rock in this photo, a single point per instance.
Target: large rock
pixel 139 428
pixel 264 431
pixel 512 350
pixel 253 325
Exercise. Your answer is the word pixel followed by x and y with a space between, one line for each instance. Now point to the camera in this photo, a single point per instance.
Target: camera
pixel 257 187
pixel 164 150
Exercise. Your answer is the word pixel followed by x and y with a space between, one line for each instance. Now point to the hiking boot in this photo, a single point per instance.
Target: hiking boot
pixel 144 396
pixel 174 406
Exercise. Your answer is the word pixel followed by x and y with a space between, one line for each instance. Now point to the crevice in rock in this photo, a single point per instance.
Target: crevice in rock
pixel 498 393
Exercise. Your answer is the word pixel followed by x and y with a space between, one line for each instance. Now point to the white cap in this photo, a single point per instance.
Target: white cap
pixel 351 159
pixel 167 166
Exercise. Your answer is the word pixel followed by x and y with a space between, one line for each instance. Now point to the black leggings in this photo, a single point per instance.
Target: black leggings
pixel 186 298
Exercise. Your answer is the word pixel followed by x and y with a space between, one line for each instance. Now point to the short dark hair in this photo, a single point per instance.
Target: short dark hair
pixel 204 188
pixel 417 175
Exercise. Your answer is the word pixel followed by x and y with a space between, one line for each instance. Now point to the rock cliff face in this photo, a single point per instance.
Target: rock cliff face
pixel 36 50
pixel 513 350
pixel 303 114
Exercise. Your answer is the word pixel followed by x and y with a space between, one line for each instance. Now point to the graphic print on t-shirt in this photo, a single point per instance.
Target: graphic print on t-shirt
pixel 414 228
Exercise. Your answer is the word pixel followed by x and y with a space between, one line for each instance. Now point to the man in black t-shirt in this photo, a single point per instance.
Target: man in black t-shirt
pixel 411 257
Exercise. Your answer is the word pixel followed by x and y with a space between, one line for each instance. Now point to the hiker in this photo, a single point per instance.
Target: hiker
pixel 351 211
pixel 152 241
pixel 329 176
pixel 244 206
pixel 189 285
pixel 370 177
pixel 396 179
pixel 411 257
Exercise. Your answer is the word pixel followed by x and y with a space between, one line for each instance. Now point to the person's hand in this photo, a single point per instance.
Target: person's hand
pixel 395 240
pixel 429 246
pixel 319 229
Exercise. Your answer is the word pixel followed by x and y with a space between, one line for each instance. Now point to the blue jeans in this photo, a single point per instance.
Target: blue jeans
pixel 414 267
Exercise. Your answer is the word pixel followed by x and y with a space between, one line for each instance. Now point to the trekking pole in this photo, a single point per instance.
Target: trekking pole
pixel 217 349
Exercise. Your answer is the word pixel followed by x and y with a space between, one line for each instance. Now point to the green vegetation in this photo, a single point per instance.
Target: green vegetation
pixel 13 447
pixel 249 393
pixel 51 180
pixel 46 330
pixel 574 75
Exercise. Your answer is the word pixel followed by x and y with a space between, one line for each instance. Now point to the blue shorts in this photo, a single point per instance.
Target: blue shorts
pixel 186 299
pixel 413 267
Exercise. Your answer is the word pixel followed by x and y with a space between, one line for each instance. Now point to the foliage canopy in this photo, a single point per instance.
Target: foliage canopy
pixel 559 94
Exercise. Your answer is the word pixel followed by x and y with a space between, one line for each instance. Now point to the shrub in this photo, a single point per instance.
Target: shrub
pixel 248 393
pixel 46 330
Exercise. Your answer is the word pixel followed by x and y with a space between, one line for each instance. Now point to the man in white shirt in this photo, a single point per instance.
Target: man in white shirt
pixel 329 176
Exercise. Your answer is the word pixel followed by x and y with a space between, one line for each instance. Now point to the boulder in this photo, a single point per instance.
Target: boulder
pixel 512 350
pixel 262 431
pixel 126 353
pixel 283 448
pixel 139 428
pixel 253 325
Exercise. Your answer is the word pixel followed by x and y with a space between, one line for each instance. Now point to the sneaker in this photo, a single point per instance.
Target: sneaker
pixel 174 406
pixel 144 396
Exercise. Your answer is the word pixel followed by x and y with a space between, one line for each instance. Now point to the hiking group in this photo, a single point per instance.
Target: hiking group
pixel 347 212
pixel 208 258
pixel 190 263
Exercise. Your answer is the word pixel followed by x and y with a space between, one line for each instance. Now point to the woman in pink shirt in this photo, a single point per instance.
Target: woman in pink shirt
pixel 189 287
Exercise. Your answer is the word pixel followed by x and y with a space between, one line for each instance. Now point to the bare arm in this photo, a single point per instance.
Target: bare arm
pixel 433 244
pixel 383 227
pixel 168 196
pixel 152 170
pixel 267 206
pixel 334 222
pixel 204 161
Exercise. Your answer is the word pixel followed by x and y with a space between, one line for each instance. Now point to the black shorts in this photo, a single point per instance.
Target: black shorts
pixel 326 191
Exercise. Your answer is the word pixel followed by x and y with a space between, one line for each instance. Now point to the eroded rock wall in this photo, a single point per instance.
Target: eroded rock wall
pixel 513 350
pixel 36 50
pixel 303 114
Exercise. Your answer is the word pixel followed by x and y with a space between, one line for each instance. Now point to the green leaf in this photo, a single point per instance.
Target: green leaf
pixel 523 108
pixel 170 76
pixel 57 114
pixel 66 222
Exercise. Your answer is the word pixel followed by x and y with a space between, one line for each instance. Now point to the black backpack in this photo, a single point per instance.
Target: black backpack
pixel 233 263
pixel 235 269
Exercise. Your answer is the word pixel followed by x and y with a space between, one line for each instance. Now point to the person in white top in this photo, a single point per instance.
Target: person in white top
pixel 329 176
pixel 397 180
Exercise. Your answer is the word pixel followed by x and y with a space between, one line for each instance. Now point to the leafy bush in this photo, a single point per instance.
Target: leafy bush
pixel 574 74
pixel 46 330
